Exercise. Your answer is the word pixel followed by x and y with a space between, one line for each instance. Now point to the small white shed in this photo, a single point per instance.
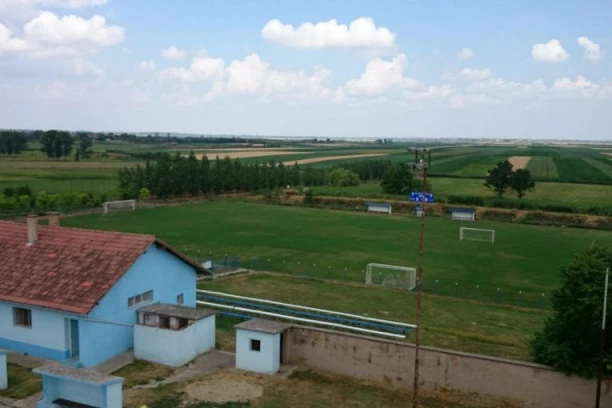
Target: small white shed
pixel 3 371
pixel 259 345
pixel 379 207
pixel 463 214
pixel 173 335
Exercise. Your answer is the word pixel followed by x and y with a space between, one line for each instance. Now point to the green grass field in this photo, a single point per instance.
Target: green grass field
pixel 495 330
pixel 543 168
pixel 325 243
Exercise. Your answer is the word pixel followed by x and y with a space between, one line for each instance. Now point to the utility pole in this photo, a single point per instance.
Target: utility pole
pixel 602 342
pixel 420 163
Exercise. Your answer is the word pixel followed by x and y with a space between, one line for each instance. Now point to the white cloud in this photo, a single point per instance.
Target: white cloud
pixel 592 50
pixel 432 92
pixel 48 35
pixel 147 65
pixel 201 69
pixel 465 54
pixel 86 69
pixel 361 32
pixel 566 84
pixel 8 43
pixel 469 74
pixel 71 4
pixel 380 76
pixel 173 53
pixel 551 51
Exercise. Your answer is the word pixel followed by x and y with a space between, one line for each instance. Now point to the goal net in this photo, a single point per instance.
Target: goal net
pixel 400 277
pixel 477 234
pixel 119 205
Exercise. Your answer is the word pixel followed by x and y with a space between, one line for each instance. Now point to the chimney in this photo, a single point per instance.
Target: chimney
pixel 54 219
pixel 32 228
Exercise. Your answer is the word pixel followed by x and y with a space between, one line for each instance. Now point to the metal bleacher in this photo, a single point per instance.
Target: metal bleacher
pixel 247 308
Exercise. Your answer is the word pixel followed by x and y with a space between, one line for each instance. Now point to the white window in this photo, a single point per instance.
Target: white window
pixel 22 317
pixel 180 299
pixel 139 299
pixel 255 345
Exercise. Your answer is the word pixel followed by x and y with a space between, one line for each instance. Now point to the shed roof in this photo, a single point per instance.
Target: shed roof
pixel 78 374
pixel 184 312
pixel 67 269
pixel 263 326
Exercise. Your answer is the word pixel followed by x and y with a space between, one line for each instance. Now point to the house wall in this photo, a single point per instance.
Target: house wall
pixel 114 395
pixel 392 362
pixel 206 334
pixel 266 361
pixel 109 328
pixel 46 338
pixel 174 347
pixel 3 371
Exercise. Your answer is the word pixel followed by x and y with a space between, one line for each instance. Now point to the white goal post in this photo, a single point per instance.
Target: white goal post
pixel 476 234
pixel 400 277
pixel 121 205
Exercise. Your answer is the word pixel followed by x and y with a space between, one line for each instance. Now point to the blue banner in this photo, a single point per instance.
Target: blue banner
pixel 418 197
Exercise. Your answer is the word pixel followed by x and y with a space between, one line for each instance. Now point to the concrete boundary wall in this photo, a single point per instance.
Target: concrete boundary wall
pixel 392 362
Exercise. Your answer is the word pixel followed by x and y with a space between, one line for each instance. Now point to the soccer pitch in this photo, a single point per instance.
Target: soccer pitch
pixel 339 244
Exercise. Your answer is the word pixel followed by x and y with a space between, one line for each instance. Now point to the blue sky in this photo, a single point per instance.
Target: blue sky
pixel 456 69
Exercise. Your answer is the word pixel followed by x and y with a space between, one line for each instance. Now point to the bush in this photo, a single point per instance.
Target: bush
pixel 310 198
pixel 465 200
pixel 23 191
pixel 144 194
pixel 8 192
pixel 342 178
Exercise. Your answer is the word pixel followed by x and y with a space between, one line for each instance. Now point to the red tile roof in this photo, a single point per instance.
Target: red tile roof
pixel 66 269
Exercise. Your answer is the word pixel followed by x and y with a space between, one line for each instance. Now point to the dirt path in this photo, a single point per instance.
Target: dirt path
pixel 328 158
pixel 519 162
pixel 249 153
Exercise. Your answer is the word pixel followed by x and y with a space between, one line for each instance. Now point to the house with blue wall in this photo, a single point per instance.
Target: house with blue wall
pixel 71 295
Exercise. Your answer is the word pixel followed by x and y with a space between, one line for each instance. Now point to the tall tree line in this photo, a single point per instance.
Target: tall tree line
pixel 12 142
pixel 176 176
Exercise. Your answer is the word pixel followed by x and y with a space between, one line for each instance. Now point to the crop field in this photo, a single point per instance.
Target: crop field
pixel 581 196
pixel 542 167
pixel 336 244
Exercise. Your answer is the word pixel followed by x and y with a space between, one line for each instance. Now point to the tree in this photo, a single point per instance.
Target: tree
pixel 570 339
pixel 398 180
pixel 521 182
pixel 12 142
pixel 342 178
pixel 56 144
pixel 84 147
pixel 499 178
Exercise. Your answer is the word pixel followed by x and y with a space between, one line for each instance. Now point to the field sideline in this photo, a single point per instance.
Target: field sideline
pixel 310 241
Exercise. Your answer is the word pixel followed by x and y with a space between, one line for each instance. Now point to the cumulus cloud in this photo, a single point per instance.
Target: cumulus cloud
pixel 252 76
pixel 551 51
pixel 173 53
pixel 361 32
pixel 380 76
pixel 201 69
pixel 147 65
pixel 469 74
pixel 48 35
pixel 86 69
pixel 465 54
pixel 592 50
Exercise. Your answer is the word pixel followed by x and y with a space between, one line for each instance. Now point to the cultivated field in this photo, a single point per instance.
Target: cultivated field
pixel 324 243
pixel 330 158
pixel 519 162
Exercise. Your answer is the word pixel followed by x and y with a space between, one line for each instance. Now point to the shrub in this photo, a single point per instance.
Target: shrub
pixel 144 194
pixel 466 200
pixel 8 192
pixel 23 191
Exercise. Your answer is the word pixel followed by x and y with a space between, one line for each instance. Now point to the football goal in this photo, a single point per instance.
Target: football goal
pixel 476 234
pixel 118 205
pixel 400 277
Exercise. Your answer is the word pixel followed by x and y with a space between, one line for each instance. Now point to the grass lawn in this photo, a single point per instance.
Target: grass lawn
pixel 337 244
pixel 22 382
pixel 495 330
